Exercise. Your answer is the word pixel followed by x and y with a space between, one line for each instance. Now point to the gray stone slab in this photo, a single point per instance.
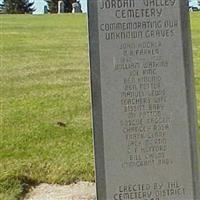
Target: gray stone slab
pixel 144 116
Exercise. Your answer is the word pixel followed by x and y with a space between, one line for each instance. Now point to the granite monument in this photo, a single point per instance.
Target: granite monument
pixel 144 117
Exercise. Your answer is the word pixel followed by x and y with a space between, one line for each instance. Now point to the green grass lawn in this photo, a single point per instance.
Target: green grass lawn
pixel 44 80
pixel 195 24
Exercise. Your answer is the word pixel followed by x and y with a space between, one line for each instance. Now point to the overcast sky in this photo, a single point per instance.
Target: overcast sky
pixel 39 5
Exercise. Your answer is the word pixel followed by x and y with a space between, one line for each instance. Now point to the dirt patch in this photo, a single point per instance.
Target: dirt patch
pixel 78 191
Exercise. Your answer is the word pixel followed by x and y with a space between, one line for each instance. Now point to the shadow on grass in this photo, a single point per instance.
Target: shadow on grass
pixel 20 185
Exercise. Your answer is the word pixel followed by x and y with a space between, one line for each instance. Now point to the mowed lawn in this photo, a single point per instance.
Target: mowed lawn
pixel 195 27
pixel 45 101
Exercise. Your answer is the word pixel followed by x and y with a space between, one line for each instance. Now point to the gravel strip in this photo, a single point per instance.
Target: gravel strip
pixel 79 191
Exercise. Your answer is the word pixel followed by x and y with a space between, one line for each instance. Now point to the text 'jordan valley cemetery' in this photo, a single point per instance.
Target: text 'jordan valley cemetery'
pixel 143 100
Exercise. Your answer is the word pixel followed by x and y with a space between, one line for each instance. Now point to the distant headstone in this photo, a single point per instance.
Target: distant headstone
pixel 144 116
pixel 76 7
pixel 46 9
pixel 61 7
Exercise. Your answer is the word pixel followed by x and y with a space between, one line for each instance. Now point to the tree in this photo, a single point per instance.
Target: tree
pixel 68 5
pixel 17 6
pixel 53 5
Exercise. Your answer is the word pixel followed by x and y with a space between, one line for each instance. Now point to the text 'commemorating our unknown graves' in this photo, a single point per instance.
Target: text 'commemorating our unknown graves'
pixel 144 115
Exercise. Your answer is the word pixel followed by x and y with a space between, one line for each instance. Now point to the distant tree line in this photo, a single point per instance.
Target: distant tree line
pixel 27 6
pixel 17 7
pixel 53 5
